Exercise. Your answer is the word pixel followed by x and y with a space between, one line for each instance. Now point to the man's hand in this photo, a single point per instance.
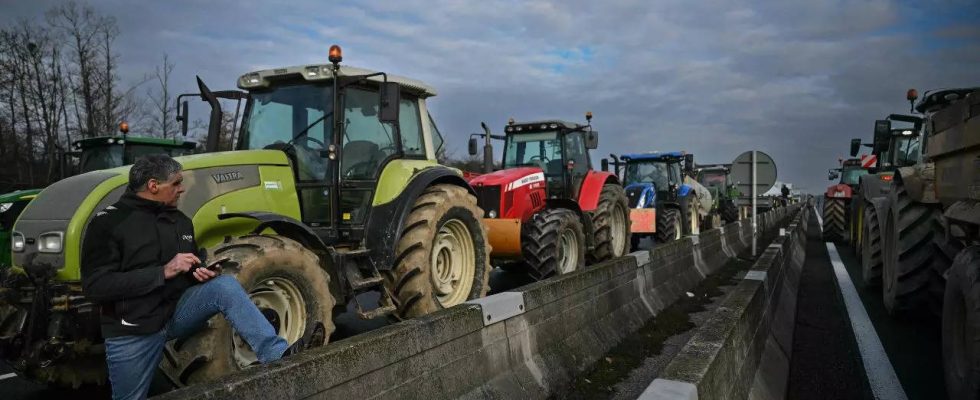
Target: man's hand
pixel 182 262
pixel 202 274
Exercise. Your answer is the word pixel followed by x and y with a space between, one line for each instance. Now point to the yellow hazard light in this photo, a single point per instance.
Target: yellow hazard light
pixel 911 95
pixel 336 55
pixel 124 127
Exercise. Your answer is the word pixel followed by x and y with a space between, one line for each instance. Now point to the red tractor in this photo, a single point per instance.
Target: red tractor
pixel 547 208
pixel 837 199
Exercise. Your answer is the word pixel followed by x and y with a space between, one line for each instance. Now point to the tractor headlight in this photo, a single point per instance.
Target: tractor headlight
pixel 17 241
pixel 50 242
pixel 5 206
pixel 492 214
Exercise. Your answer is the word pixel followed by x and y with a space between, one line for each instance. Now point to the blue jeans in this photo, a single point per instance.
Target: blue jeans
pixel 133 360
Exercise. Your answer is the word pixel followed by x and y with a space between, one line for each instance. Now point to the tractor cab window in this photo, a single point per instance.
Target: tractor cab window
pixel 102 157
pixel 437 140
pixel 299 115
pixel 542 150
pixel 367 142
pixel 851 176
pixel 906 150
pixel 410 127
pixel 713 179
pixel 657 173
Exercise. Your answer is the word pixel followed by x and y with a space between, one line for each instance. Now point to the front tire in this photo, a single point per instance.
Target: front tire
pixel 961 326
pixel 285 280
pixel 729 212
pixel 611 223
pixel 442 258
pixel 690 217
pixel 908 253
pixel 553 242
pixel 669 225
pixel 871 244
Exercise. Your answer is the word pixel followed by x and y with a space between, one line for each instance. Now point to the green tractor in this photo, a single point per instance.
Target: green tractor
pixel 333 190
pixel 93 154
pixel 715 178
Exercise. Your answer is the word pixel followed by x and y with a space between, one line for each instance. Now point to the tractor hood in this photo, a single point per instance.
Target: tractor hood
pixel 60 213
pixel 641 194
pixel 511 178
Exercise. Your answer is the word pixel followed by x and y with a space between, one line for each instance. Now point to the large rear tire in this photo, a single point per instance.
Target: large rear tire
pixel 690 217
pixel 611 221
pixel 871 243
pixel 961 326
pixel 834 219
pixel 855 224
pixel 553 242
pixel 669 225
pixel 285 280
pixel 442 258
pixel 908 252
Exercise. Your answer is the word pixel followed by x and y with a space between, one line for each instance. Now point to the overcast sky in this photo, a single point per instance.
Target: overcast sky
pixel 715 78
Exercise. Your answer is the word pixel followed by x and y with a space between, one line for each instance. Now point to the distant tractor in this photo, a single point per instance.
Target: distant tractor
pixel 663 204
pixel 547 206
pixel 333 190
pixel 837 199
pixel 931 234
pixel 724 193
pixel 892 148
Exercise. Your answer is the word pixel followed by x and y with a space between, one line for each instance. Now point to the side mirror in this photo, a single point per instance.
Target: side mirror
pixel 391 97
pixel 604 164
pixel 831 175
pixel 855 147
pixel 473 146
pixel 592 140
pixel 182 117
pixel 883 131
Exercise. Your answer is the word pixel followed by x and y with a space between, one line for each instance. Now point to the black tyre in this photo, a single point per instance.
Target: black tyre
pixel 961 326
pixel 855 224
pixel 834 219
pixel 729 212
pixel 669 225
pixel 611 222
pixel 690 219
pixel 908 252
pixel 285 280
pixel 443 257
pixel 871 243
pixel 553 242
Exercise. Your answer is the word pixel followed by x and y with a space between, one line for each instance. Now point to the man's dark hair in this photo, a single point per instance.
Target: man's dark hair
pixel 153 166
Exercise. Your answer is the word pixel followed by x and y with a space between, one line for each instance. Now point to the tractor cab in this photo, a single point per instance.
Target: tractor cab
pixel 106 152
pixel 893 147
pixel 560 149
pixel 714 178
pixel 849 173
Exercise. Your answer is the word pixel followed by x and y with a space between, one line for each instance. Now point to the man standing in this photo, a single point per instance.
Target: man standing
pixel 138 264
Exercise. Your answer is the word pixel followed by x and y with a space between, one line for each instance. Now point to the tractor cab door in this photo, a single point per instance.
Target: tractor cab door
pixel 575 162
pixel 366 145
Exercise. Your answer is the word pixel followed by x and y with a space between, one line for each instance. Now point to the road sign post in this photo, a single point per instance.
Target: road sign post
pixel 754 172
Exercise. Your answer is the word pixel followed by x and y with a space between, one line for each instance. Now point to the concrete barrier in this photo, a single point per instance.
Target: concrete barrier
pixel 526 344
pixel 744 349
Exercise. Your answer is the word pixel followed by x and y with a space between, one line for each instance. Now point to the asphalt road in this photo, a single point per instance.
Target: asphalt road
pixel 827 363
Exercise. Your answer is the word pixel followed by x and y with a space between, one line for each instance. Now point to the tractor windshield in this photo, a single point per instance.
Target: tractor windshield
pixel 101 157
pixel 713 179
pixel 299 115
pixel 659 173
pixel 542 150
pixel 905 150
pixel 850 176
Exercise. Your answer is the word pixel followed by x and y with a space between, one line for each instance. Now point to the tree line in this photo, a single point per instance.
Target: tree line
pixel 59 82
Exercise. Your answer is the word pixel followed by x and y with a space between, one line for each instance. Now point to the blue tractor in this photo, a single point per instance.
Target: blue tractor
pixel 663 204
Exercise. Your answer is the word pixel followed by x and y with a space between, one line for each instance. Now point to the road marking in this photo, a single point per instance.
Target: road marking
pixel 8 376
pixel 881 375
pixel 819 218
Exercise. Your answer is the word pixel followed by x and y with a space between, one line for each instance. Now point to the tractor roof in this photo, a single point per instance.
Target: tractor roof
pixel 150 141
pixel 716 168
pixel 935 99
pixel 321 72
pixel 653 156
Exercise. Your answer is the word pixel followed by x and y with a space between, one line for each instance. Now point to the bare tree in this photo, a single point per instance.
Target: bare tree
pixel 162 101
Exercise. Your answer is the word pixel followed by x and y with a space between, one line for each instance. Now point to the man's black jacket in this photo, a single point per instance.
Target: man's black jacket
pixel 125 248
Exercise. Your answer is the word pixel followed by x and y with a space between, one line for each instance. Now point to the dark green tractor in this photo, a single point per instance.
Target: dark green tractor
pixel 715 177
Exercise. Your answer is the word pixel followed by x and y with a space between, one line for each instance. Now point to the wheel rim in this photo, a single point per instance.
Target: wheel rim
pixel 617 226
pixel 694 220
pixel 453 263
pixel 678 229
pixel 567 251
pixel 281 302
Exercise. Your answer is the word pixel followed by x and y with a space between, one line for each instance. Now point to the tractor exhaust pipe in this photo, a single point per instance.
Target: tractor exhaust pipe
pixel 214 125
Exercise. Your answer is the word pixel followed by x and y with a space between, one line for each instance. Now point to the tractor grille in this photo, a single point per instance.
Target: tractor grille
pixel 488 198
pixel 633 195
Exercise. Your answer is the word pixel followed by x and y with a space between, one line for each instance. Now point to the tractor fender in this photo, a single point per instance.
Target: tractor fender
pixel 284 226
pixel 683 190
pixel 919 181
pixel 588 195
pixel 872 185
pixel 387 221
